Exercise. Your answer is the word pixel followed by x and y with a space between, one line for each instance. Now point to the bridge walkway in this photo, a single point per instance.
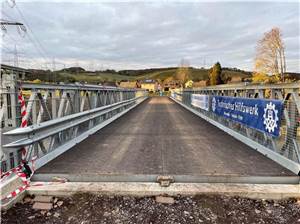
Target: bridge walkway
pixel 159 137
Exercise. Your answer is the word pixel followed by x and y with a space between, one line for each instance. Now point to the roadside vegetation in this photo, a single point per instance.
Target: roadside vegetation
pixel 195 74
pixel 270 62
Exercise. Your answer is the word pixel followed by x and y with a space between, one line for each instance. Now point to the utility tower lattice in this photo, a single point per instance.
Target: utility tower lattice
pixel 5 23
pixel 21 27
pixel 16 57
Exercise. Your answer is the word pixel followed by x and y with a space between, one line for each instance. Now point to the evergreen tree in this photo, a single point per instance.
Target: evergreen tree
pixel 215 74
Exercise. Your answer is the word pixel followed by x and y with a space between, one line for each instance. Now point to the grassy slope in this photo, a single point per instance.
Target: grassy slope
pixel 87 77
pixel 234 74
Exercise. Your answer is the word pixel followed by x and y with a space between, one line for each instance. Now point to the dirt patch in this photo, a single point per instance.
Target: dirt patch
pixel 86 208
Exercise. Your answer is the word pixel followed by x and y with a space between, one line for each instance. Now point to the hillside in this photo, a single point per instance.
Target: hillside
pixel 69 75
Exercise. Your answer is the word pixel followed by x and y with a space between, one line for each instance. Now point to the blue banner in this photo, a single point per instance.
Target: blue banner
pixel 261 114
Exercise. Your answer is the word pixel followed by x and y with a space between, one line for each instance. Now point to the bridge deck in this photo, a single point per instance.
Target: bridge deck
pixel 161 137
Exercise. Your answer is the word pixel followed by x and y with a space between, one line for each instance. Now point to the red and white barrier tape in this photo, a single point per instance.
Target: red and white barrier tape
pixel 18 170
pixel 13 170
pixel 26 182
pixel 21 100
pixel 19 189
pixel 16 192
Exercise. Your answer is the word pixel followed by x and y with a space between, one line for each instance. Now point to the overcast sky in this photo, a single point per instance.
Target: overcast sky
pixel 131 35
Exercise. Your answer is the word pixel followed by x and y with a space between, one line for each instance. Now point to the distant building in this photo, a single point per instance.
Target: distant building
pixel 129 84
pixel 17 72
pixel 108 83
pixel 8 88
pixel 171 84
pixel 149 85
pixel 201 83
pixel 236 79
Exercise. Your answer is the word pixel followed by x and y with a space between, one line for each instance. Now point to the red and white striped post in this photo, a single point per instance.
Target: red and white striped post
pixel 24 120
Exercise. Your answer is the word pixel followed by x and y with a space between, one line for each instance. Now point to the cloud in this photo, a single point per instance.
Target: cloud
pixel 131 35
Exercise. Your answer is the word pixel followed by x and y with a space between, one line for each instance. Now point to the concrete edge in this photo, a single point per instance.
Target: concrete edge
pixel 255 191
pixel 206 178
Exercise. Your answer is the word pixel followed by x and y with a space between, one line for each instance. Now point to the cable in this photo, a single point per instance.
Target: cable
pixel 31 35
pixel 4 13
pixel 13 39
pixel 11 3
pixel 29 28
pixel 5 51
pixel 4 47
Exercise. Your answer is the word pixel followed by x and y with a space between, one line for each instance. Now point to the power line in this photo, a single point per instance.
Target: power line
pixel 11 3
pixel 10 23
pixel 2 46
pixel 5 49
pixel 8 16
pixel 31 36
pixel 34 36
pixel 20 26
pixel 5 23
pixel 16 58
pixel 12 38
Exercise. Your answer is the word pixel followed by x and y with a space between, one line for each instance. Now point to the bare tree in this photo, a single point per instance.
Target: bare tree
pixel 182 73
pixel 270 55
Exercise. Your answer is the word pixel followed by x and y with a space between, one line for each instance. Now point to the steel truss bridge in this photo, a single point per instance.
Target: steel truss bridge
pixel 95 133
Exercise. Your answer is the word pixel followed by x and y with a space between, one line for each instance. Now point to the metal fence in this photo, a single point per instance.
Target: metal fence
pixel 59 116
pixel 283 149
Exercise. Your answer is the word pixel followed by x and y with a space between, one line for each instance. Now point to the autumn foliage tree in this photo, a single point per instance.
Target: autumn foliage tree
pixel 270 57
pixel 214 74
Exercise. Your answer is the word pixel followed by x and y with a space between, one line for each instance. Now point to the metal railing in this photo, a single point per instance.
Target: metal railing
pixel 283 149
pixel 59 116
